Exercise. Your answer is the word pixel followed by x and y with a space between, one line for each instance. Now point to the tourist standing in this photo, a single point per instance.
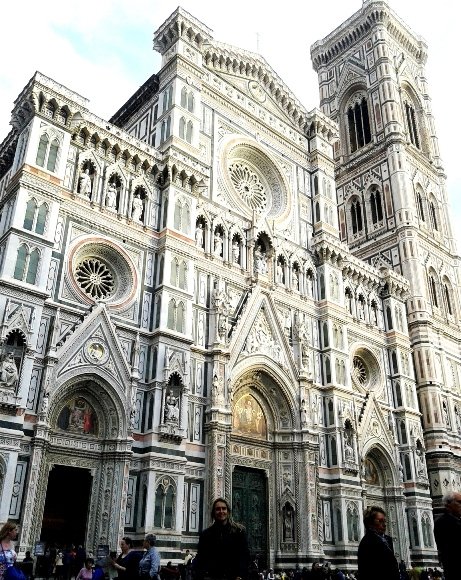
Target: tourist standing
pixel 376 558
pixel 149 565
pixel 222 551
pixel 8 534
pixel 447 532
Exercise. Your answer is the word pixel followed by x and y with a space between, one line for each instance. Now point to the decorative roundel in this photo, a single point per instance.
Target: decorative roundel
pixel 102 272
pixel 365 369
pixel 95 278
pixel 253 179
pixel 248 186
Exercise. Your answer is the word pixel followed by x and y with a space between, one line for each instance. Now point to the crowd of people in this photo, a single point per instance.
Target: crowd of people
pixel 223 554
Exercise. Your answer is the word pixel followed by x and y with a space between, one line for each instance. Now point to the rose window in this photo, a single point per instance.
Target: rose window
pixel 248 186
pixel 95 278
pixel 360 371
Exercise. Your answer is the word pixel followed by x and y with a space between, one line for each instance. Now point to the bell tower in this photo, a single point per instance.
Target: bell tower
pixel 393 205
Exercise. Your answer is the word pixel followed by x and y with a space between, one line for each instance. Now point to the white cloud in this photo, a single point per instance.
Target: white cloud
pixel 102 49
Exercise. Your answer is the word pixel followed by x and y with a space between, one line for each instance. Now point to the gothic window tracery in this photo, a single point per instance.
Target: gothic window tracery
pixel 165 498
pixel 412 126
pixel 358 123
pixel 36 216
pixel 356 216
pixel 47 152
pixel 433 290
pixel 376 205
pixel 27 262
pixel 176 315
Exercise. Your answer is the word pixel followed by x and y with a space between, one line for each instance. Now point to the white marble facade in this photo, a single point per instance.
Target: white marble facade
pixel 218 278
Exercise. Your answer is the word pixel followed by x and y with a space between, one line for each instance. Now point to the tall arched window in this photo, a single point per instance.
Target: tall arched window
pixel 412 127
pixel 164 515
pixel 182 128
pixel 376 206
pixel 184 97
pixel 420 206
pixel 191 102
pixel 35 217
pixel 356 216
pixel 433 216
pixel 189 131
pixel 447 297
pixel 26 264
pixel 358 124
pixel 47 152
pixel 433 291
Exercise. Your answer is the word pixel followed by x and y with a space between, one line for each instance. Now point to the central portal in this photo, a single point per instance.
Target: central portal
pixel 66 506
pixel 249 507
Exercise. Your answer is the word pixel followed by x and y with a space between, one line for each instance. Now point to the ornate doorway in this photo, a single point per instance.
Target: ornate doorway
pixel 66 506
pixel 249 507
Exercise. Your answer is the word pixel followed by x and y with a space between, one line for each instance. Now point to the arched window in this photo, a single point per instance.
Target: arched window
pixel 164 515
pixel 174 272
pixel 433 216
pixel 182 275
pixel 376 206
pixel 191 102
pixel 35 217
pixel 356 216
pixel 180 314
pixel 29 218
pixel 177 215
pixel 447 298
pixel 20 262
pixel 352 523
pixel 433 291
pixel 182 128
pixel 420 206
pixel 189 131
pixel 34 258
pixel 184 97
pixel 412 127
pixel 41 219
pixel 359 125
pixel 185 218
pixel 171 314
pixel 47 152
pixel 26 264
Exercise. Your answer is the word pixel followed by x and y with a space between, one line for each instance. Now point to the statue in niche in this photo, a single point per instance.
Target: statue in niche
pixel 235 252
pixel 199 235
pixel 111 196
pixel 348 446
pixel 288 523
pixel 85 184
pixel 171 414
pixel 304 413
pixel 295 280
pixel 260 260
pixel 137 208
pixel 218 244
pixel 279 273
pixel 419 463
pixel 9 376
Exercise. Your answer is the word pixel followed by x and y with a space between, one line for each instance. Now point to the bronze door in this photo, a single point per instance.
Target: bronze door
pixel 249 507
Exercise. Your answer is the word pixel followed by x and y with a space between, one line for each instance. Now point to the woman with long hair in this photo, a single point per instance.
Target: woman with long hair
pixel 222 548
pixel 8 534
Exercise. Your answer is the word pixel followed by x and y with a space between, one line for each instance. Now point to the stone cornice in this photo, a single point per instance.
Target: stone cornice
pixel 358 26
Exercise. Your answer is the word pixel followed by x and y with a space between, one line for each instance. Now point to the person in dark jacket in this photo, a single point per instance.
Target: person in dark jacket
pixel 447 532
pixel 376 558
pixel 222 552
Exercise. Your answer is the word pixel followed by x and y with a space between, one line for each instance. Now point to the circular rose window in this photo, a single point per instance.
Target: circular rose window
pixel 365 369
pixel 102 271
pixel 253 179
pixel 95 278
pixel 249 186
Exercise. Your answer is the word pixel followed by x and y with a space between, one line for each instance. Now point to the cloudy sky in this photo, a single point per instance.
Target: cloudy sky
pixel 102 49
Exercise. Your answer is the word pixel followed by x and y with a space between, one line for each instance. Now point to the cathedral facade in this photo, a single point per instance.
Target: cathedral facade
pixel 220 293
